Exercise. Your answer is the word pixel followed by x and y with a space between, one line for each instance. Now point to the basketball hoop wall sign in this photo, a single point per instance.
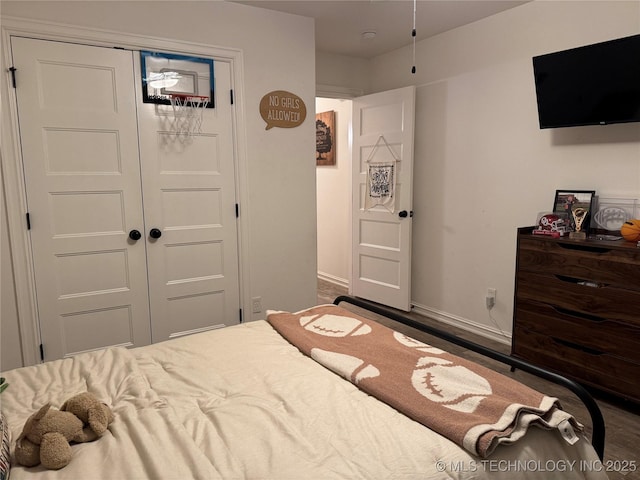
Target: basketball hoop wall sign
pixel 282 109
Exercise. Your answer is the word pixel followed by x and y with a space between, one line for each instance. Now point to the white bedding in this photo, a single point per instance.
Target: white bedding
pixel 241 402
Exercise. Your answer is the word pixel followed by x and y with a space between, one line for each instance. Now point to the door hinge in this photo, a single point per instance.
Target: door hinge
pixel 13 76
pixel 240 315
pixel 42 352
pixel 237 210
pixel 231 95
pixel 28 221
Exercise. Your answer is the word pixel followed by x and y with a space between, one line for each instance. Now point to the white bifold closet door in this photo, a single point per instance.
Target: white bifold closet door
pixel 99 165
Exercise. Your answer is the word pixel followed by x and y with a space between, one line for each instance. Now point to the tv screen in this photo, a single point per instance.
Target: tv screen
pixel 592 85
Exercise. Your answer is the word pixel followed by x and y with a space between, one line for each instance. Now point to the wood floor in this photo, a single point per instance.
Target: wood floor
pixel 622 447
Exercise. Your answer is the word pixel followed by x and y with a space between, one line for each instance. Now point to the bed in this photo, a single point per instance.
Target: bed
pixel 243 402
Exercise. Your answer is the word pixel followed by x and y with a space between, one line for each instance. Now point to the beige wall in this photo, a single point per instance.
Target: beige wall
pixel 482 165
pixel 339 71
pixel 280 174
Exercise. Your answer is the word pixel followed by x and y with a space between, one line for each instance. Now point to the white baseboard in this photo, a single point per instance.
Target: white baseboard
pixel 463 323
pixel 341 282
pixel 442 317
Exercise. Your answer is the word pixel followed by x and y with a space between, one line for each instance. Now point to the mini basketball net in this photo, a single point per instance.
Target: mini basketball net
pixel 188 112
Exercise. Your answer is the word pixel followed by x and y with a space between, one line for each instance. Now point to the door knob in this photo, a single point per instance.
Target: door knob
pixel 155 233
pixel 403 214
pixel 135 235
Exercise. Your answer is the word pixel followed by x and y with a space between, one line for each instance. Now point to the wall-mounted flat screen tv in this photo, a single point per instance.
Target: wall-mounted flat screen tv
pixel 592 85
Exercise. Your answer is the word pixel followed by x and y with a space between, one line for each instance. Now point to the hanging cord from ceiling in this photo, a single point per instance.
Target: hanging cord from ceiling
pixel 413 34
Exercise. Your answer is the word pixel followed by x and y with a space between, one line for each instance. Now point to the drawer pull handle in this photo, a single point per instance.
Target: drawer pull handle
pixel 580 281
pixel 575 346
pixel 584 316
pixel 584 248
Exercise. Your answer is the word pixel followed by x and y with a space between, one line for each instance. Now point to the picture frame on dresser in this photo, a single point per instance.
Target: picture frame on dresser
pixel 610 213
pixel 570 201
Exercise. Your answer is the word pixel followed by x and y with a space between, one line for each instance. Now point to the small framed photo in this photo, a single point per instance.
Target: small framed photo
pixel 578 205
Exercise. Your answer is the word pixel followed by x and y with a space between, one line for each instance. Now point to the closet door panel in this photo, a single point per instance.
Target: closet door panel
pixel 189 196
pixel 77 112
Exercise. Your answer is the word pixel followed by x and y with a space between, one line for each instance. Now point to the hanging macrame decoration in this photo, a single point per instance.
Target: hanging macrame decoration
pixel 381 177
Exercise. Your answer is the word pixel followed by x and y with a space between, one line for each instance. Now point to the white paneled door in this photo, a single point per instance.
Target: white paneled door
pixel 98 283
pixel 189 198
pixel 382 180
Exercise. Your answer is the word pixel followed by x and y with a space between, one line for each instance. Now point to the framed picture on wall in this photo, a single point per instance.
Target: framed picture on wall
pixel 577 204
pixel 325 138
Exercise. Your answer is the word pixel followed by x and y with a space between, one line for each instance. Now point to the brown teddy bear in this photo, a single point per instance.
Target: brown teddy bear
pixel 45 438
pixel 90 410
pixel 47 433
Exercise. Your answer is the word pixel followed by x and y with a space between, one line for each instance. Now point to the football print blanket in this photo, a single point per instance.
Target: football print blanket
pixel 471 405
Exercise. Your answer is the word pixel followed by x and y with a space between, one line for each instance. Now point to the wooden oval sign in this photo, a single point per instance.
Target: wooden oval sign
pixel 282 109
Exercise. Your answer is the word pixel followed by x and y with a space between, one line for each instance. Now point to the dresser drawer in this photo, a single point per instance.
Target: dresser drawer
pixel 588 262
pixel 600 370
pixel 569 294
pixel 594 334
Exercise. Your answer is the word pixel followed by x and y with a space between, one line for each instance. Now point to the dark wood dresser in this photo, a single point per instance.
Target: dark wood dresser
pixel 577 310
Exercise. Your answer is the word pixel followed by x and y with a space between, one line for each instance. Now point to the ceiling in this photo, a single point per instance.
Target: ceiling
pixel 341 23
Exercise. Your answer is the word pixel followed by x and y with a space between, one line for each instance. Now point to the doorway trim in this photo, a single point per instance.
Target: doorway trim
pixel 332 91
pixel 11 155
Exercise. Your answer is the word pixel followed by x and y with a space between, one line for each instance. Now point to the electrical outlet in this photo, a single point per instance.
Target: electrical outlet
pixel 490 298
pixel 256 303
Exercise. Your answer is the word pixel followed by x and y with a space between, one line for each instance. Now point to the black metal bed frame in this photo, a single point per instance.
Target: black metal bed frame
pixel 597 420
